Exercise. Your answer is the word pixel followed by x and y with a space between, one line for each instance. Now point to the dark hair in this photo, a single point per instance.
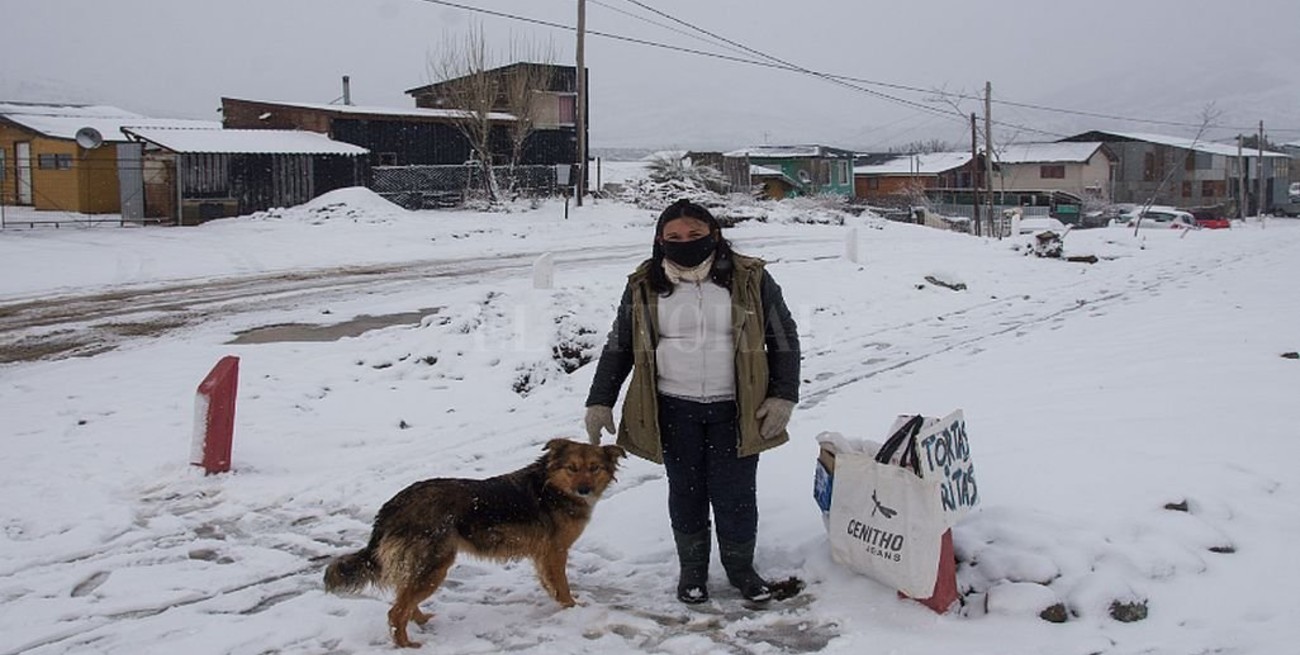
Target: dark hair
pixel 720 273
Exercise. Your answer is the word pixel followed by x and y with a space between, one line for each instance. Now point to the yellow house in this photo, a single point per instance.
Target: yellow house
pixel 70 157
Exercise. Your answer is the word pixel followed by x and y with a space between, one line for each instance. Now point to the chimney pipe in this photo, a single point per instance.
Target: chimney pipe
pixel 347 90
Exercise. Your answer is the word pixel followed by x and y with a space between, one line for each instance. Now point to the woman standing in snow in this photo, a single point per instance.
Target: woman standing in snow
pixel 714 358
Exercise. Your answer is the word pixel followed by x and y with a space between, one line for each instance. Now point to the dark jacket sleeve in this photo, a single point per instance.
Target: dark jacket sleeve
pixel 616 358
pixel 782 339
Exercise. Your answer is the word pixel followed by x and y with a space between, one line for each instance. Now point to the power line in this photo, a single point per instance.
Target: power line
pixel 778 64
pixel 786 64
pixel 680 49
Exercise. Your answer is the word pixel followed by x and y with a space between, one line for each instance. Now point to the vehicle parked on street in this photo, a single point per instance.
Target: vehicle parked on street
pixel 1291 209
pixel 1157 217
pixel 1211 220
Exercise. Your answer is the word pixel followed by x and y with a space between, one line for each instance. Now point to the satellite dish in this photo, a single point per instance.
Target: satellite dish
pixel 89 138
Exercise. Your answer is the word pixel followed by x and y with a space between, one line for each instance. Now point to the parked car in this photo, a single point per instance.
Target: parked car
pixel 1293 193
pixel 1158 217
pixel 1106 215
pixel 1211 220
pixel 1291 209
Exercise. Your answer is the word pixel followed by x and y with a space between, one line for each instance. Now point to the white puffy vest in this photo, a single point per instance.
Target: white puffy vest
pixel 695 356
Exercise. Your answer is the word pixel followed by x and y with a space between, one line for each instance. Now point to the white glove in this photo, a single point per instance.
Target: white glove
pixel 598 417
pixel 774 415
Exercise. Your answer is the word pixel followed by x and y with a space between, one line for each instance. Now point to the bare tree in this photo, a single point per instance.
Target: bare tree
pixel 520 95
pixel 926 146
pixel 460 68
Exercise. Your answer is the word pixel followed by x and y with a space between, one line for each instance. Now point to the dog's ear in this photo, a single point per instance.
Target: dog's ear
pixel 614 453
pixel 556 445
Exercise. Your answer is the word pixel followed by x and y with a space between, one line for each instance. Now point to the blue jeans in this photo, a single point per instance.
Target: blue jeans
pixel 699 442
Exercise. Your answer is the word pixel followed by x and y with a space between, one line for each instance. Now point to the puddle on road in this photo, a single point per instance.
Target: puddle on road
pixel 285 332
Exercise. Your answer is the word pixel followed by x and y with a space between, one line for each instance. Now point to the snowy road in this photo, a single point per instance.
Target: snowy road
pixel 139 556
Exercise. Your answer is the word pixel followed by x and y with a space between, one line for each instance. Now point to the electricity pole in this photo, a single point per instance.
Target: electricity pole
pixel 974 174
pixel 1241 181
pixel 1259 170
pixel 988 150
pixel 581 109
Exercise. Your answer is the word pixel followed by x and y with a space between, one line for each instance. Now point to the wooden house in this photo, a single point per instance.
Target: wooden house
pixel 903 178
pixel 552 109
pixel 804 170
pixel 44 165
pixel 190 176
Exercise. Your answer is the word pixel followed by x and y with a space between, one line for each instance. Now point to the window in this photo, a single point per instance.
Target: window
pixel 1153 167
pixel 387 159
pixel 566 112
pixel 1052 172
pixel 54 162
pixel 1189 164
pixel 1187 189
pixel 1213 188
pixel 844 173
pixel 2 166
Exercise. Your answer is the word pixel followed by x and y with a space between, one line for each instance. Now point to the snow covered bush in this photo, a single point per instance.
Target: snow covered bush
pixel 668 167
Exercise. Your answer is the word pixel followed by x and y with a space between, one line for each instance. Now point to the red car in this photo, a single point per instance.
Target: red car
pixel 1211 220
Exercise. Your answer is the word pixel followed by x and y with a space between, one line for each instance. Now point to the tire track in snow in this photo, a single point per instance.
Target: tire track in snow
pixel 901 345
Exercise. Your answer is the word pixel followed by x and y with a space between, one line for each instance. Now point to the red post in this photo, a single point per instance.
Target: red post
pixel 214 417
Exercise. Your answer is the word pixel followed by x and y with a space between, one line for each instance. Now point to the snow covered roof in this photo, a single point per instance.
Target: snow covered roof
pixel 786 152
pixel 364 110
pixel 63 121
pixel 767 171
pixel 1037 153
pixel 932 163
pixel 256 142
pixel 1189 144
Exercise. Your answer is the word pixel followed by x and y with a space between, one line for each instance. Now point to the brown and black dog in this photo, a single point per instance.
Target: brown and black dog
pixel 536 512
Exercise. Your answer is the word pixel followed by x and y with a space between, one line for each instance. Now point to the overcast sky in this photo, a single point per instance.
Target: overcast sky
pixel 1165 60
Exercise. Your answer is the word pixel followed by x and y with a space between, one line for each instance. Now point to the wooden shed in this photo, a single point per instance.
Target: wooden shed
pixel 44 165
pixel 191 176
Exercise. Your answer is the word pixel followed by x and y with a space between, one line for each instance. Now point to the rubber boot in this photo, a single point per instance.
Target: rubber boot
pixel 693 554
pixel 738 560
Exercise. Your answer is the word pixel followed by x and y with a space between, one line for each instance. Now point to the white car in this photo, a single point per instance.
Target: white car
pixel 1157 217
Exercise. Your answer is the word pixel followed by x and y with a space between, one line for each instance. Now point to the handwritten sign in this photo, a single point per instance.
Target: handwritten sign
pixel 945 456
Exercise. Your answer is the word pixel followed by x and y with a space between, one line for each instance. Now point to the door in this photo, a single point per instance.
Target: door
pixel 23 171
pixel 130 175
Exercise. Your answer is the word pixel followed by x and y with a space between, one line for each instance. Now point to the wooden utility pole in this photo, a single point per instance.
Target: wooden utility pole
pixel 581 109
pixel 1241 181
pixel 1259 172
pixel 974 174
pixel 988 150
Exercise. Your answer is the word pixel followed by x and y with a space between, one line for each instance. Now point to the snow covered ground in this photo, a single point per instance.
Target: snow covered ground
pixel 1095 395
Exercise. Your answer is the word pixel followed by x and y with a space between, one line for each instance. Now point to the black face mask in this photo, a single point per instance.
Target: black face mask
pixel 689 254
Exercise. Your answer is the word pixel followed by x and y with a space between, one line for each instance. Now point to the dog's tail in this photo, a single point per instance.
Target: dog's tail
pixel 352 572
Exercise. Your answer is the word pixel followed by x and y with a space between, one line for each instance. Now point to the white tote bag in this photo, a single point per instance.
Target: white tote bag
pixel 887 523
pixel 940 451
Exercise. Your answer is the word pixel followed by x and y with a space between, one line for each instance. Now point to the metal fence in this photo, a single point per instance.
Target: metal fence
pixel 968 211
pixel 429 187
